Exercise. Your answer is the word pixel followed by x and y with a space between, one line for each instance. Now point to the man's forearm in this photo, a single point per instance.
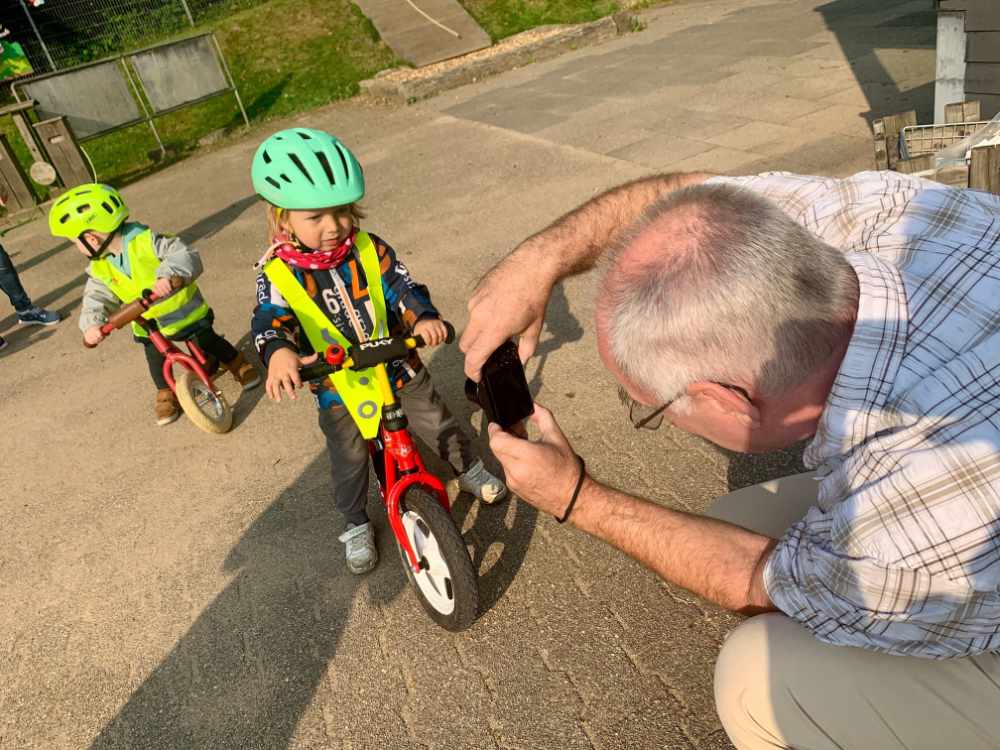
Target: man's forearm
pixel 713 559
pixel 574 243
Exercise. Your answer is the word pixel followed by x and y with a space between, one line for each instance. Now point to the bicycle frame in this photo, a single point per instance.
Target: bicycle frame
pixel 195 360
pixel 402 465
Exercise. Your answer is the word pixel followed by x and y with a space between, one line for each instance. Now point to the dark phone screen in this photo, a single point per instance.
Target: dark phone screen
pixel 510 399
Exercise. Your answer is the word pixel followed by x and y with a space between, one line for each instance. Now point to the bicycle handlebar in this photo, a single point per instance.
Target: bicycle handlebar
pixel 134 310
pixel 367 354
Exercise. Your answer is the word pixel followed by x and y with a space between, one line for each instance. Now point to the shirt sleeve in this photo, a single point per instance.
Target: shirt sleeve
pixel 97 302
pixel 176 258
pixel 273 324
pixel 906 564
pixel 410 300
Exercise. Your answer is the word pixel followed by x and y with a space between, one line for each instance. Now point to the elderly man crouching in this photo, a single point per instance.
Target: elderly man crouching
pixel 757 311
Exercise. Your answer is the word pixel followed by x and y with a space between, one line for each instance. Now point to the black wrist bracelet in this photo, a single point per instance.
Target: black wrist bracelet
pixel 576 492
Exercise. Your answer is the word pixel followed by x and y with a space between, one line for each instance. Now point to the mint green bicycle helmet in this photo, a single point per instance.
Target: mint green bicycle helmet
pixel 302 168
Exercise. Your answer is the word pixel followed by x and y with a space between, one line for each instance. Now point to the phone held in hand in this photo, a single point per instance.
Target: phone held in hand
pixel 502 390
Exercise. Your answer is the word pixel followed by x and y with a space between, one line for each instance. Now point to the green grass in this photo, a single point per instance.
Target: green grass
pixel 502 18
pixel 287 56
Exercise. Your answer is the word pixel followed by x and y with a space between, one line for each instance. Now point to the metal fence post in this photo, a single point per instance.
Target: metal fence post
pixel 187 10
pixel 39 36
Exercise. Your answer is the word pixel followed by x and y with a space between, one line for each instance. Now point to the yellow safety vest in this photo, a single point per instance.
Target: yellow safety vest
pixel 358 389
pixel 175 312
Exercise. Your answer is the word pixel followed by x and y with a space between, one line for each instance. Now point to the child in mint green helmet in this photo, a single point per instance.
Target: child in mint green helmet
pixel 312 184
pixel 127 257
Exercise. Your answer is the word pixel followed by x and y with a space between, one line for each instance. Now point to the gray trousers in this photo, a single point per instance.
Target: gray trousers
pixel 776 686
pixel 429 419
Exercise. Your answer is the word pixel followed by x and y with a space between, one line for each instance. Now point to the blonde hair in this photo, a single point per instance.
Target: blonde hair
pixel 275 219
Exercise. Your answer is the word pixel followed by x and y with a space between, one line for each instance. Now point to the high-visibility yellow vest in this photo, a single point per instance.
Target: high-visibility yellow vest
pixel 358 389
pixel 173 313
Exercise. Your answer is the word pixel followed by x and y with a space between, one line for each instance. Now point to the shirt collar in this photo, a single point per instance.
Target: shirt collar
pixel 866 375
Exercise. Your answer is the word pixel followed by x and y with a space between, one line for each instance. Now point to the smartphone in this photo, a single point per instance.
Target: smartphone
pixel 502 391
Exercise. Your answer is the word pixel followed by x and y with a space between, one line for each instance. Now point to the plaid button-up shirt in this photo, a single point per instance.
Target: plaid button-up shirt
pixel 902 553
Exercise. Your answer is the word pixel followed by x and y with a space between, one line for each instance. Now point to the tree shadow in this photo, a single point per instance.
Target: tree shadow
pixel 262 103
pixel 211 225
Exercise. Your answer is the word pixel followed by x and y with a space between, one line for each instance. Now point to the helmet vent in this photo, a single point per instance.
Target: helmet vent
pixel 343 161
pixel 106 207
pixel 274 182
pixel 298 163
pixel 266 157
pixel 64 219
pixel 326 167
pixel 114 199
pixel 83 208
pixel 285 178
pixel 304 135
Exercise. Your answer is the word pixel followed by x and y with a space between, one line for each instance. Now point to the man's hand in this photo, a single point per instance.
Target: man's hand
pixel 432 330
pixel 93 336
pixel 283 372
pixel 509 301
pixel 544 473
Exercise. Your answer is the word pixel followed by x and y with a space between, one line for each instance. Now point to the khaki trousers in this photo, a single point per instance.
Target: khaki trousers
pixel 776 686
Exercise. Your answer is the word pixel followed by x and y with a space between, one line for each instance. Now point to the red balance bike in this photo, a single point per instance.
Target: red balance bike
pixel 197 395
pixel 431 546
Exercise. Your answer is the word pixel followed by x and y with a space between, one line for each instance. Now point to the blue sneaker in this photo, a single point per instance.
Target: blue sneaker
pixel 37 316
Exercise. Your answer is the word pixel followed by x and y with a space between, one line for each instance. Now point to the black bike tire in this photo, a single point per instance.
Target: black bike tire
pixel 464 581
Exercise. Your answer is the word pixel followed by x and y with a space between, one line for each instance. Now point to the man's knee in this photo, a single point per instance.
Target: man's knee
pixel 750 679
pixel 741 674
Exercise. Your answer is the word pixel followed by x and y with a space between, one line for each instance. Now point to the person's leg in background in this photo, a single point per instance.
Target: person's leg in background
pixel 777 686
pixel 27 313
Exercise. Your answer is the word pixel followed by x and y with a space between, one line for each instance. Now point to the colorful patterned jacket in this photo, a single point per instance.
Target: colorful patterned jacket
pixel 274 325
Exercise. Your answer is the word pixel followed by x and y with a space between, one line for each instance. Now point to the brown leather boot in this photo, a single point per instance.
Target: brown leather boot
pixel 243 372
pixel 167 408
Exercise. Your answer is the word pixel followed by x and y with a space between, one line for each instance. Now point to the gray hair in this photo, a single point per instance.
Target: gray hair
pixel 716 283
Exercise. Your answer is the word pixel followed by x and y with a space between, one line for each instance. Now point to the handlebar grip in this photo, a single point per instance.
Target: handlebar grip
pixel 449 338
pixel 316 371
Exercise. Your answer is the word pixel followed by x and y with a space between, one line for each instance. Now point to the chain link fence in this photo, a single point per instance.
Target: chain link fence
pixel 62 33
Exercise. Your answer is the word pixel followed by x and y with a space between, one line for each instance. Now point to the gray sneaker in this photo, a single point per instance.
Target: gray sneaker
pixel 37 316
pixel 360 547
pixel 479 482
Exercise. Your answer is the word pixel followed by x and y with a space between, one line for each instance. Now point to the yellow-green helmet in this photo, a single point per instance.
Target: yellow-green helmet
pixel 89 207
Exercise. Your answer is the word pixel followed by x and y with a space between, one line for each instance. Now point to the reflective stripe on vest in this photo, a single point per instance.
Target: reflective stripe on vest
pixel 175 312
pixel 358 389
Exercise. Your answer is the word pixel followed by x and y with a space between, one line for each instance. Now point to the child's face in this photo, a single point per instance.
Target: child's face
pixel 91 238
pixel 322 228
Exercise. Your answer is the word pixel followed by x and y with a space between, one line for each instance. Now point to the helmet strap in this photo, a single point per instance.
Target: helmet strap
pixel 95 254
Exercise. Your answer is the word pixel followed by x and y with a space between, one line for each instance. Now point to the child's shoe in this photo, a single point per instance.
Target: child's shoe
pixel 360 547
pixel 167 408
pixel 479 482
pixel 37 316
pixel 243 372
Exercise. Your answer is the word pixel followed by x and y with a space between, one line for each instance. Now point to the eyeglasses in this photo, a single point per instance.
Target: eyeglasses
pixel 645 417
pixel 641 416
